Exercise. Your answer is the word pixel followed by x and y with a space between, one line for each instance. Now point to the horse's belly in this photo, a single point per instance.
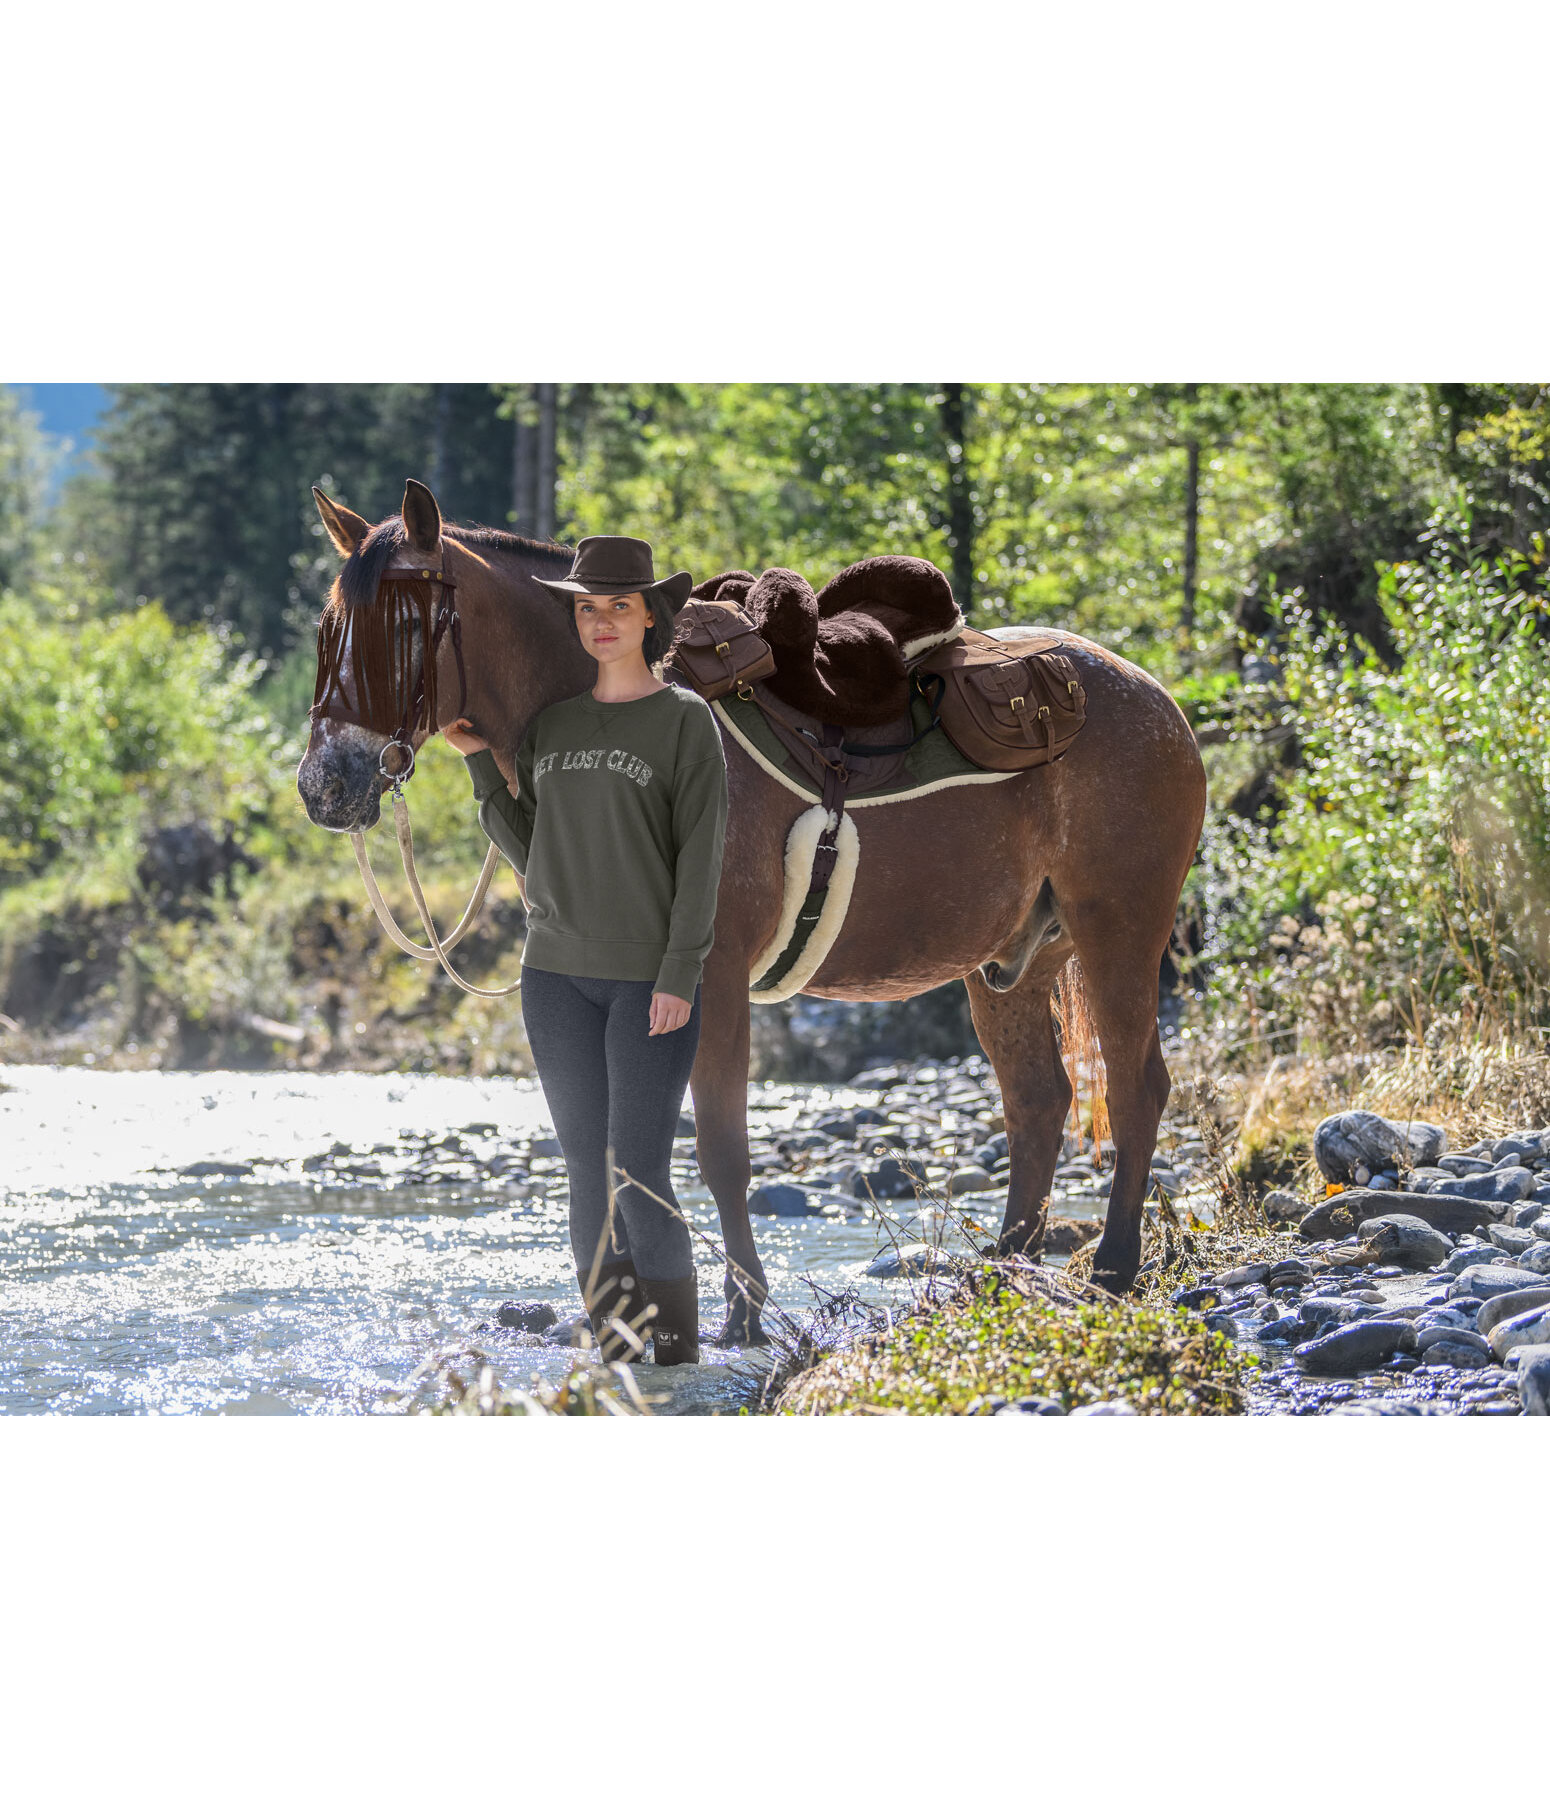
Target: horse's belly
pixel 941 884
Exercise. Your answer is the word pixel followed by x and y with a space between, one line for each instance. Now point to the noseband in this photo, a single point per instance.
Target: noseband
pixel 328 701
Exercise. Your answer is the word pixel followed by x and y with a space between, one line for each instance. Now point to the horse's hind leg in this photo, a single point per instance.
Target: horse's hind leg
pixel 1120 963
pixel 1016 1030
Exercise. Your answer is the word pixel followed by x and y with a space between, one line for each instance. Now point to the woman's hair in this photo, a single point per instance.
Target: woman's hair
pixel 659 634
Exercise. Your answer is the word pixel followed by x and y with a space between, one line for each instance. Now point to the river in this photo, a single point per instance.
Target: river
pixel 301 1243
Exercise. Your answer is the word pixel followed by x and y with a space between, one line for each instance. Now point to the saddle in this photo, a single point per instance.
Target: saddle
pixel 833 673
pixel 842 656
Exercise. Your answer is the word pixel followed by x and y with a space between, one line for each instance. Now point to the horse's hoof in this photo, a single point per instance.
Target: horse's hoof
pixel 1111 1281
pixel 742 1331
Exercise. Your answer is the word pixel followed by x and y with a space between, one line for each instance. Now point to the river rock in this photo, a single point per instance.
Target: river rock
pixel 1428 1335
pixel 534 1316
pixel 1510 1239
pixel 1536 1257
pixel 1464 1165
pixel 1291 1271
pixel 911 1259
pixel 1534 1387
pixel 1344 1142
pixel 1525 1215
pixel 1351 1349
pixel 1486 1280
pixel 568 1331
pixel 1404 1241
pixel 1244 1275
pixel 975 1180
pixel 1427 1142
pixel 1527 1328
pixel 890 1178
pixel 1103 1409
pixel 1506 1185
pixel 784 1200
pixel 201 1170
pixel 1467 1255
pixel 1042 1408
pixel 1282 1206
pixel 1343 1213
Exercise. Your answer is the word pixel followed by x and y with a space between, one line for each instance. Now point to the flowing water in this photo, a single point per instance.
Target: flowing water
pixel 302 1243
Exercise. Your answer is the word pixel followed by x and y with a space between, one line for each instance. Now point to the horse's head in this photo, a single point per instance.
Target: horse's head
pixel 374 679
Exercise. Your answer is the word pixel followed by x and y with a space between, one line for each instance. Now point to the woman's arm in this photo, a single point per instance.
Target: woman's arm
pixel 506 818
pixel 699 829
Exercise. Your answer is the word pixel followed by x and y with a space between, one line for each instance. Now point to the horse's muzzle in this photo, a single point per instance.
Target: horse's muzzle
pixel 340 786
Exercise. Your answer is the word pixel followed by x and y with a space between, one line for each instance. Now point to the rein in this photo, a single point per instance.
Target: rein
pixel 373 668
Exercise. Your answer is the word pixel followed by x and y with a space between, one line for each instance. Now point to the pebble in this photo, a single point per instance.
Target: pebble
pixel 1402 1239
pixel 1282 1207
pixel 1534 1387
pixel 1527 1213
pixel 1104 1409
pixel 1244 1275
pixel 1464 1165
pixel 1536 1257
pixel 1044 1408
pixel 1510 1239
pixel 1350 1349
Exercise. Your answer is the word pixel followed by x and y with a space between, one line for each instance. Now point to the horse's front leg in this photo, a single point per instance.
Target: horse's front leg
pixel 720 1087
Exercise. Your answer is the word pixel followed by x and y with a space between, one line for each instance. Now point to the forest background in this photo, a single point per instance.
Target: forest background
pixel 1344 586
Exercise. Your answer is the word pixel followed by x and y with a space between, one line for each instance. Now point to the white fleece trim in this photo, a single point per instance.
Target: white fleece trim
pixel 970 779
pixel 801 849
pixel 919 646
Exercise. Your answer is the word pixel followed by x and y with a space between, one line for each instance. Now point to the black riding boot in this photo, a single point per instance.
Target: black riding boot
pixel 676 1328
pixel 615 1291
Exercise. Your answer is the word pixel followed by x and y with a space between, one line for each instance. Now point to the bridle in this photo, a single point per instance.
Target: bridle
pixel 331 705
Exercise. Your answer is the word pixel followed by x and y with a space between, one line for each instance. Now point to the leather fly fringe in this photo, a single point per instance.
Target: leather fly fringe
pixel 368 656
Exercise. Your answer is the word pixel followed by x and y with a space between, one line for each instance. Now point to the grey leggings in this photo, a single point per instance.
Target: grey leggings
pixel 608 1083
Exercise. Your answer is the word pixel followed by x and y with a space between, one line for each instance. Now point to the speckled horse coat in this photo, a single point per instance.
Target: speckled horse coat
pixel 995 885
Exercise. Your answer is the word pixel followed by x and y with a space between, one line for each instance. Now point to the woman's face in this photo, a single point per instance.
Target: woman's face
pixel 612 626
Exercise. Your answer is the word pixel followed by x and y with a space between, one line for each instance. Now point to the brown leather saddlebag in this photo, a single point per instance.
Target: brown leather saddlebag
pixel 1006 707
pixel 716 648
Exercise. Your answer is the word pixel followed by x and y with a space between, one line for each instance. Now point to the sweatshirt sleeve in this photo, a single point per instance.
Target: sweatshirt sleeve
pixel 507 818
pixel 699 827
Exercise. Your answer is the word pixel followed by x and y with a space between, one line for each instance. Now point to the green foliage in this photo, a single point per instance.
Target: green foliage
pixel 110 721
pixel 26 460
pixel 1001 1342
pixel 1409 865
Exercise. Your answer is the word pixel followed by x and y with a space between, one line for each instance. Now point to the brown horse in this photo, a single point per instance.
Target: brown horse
pixel 996 885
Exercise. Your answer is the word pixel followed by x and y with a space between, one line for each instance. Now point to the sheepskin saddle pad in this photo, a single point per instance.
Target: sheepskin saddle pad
pixel 842 655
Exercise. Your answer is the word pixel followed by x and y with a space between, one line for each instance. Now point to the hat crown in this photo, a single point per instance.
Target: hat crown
pixel 622 562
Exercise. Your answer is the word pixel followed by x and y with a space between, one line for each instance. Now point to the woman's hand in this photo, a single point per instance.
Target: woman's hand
pixel 460 736
pixel 668 1013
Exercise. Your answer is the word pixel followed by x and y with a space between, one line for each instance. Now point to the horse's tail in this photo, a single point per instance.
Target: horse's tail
pixel 1079 1049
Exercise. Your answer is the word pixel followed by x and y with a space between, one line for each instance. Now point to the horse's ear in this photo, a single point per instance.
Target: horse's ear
pixel 343 526
pixel 422 516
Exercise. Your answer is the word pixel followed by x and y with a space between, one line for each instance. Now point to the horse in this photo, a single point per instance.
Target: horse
pixel 999 885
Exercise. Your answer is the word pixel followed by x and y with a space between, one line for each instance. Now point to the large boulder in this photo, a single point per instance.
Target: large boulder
pixel 1354 1146
pixel 1340 1216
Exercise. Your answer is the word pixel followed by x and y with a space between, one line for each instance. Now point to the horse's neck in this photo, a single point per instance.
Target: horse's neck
pixel 537 660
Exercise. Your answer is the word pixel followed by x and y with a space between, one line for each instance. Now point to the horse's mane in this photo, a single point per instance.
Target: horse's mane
pixel 361 575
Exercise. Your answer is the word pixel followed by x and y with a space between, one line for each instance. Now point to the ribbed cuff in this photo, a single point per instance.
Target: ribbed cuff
pixel 485 774
pixel 679 976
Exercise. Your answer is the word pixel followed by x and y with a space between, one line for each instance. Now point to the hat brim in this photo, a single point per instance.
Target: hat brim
pixel 672 590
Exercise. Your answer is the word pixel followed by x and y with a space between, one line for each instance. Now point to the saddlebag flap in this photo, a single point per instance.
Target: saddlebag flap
pixel 1006 708
pixel 716 648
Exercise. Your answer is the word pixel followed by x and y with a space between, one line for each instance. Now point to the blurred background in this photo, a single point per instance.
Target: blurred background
pixel 1343 585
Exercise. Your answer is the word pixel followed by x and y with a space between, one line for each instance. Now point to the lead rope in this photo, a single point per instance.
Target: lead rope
pixel 406 850
pixel 385 918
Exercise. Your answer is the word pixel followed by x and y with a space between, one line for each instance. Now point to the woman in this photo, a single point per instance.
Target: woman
pixel 616 829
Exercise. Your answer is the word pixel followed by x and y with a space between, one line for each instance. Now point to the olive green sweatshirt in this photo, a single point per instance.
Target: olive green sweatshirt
pixel 616 829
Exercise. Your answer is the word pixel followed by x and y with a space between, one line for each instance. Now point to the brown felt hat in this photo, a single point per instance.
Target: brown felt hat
pixel 620 565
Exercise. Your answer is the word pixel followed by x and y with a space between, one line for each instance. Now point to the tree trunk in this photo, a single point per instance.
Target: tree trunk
pixel 548 407
pixel 1191 512
pixel 524 465
pixel 960 504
